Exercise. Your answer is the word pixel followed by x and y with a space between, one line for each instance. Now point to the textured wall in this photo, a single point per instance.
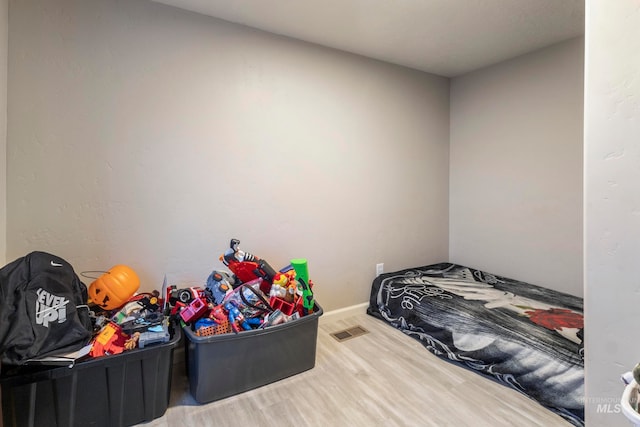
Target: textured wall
pixel 612 203
pixel 146 135
pixel 516 168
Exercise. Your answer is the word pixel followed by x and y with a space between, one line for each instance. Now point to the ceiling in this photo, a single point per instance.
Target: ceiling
pixel 444 37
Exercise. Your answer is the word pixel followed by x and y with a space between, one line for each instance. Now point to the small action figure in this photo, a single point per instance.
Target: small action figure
pixel 236 317
pixel 235 254
pixel 217 315
pixel 248 267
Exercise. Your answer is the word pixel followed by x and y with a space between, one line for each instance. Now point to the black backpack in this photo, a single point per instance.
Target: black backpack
pixel 43 309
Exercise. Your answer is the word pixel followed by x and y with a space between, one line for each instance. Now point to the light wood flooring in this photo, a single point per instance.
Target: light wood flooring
pixel 382 378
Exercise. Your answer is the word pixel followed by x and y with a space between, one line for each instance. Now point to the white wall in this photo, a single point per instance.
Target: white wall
pixel 146 135
pixel 612 203
pixel 516 168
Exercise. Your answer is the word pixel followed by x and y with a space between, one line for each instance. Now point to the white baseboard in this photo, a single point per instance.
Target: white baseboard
pixel 345 311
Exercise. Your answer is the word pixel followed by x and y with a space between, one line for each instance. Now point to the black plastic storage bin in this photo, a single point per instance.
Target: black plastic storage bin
pixel 220 366
pixel 118 390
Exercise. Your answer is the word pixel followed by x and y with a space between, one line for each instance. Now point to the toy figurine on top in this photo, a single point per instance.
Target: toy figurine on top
pixel 235 254
pixel 248 267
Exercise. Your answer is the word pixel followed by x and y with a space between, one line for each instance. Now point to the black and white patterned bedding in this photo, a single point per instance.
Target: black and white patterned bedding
pixel 526 337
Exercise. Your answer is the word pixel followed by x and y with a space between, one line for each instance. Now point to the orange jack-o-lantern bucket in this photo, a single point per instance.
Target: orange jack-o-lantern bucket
pixel 114 287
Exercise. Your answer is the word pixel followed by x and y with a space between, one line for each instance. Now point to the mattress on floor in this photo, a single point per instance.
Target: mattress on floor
pixel 524 336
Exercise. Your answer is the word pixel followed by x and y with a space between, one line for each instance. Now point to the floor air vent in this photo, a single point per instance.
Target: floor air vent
pixel 352 332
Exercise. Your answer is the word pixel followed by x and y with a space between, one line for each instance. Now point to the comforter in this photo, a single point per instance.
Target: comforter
pixel 524 336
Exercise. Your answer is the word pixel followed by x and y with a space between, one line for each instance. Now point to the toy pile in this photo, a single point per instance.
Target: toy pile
pixel 122 319
pixel 251 295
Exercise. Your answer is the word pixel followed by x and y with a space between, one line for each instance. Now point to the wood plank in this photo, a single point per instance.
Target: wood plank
pixel 380 378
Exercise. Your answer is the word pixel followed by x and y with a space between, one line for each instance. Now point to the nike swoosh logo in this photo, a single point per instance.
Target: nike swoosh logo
pixel 55 264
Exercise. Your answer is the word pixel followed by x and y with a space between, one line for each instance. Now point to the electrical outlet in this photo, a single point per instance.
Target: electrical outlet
pixel 379 269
